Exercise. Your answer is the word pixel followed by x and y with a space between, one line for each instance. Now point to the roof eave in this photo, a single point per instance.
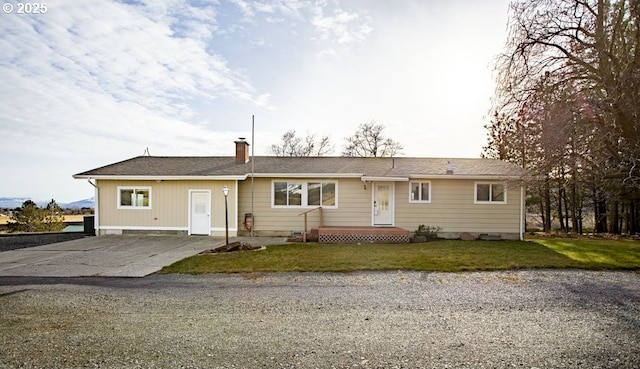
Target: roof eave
pixel 306 175
pixel 161 177
pixel 384 179
pixel 464 176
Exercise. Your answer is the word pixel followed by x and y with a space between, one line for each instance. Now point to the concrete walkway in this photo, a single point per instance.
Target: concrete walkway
pixel 110 256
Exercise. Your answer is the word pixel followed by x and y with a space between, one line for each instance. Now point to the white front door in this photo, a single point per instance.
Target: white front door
pixel 200 212
pixel 383 203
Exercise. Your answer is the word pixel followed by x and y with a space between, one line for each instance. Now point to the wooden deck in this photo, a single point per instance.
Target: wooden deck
pixel 361 235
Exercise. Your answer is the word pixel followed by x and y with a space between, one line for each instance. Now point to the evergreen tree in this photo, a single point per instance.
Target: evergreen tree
pixel 31 218
pixel 28 218
pixel 53 220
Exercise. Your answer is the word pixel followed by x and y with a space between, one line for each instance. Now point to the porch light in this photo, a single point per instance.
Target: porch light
pixel 225 192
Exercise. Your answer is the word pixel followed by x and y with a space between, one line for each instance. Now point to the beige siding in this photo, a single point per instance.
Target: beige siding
pixel 452 208
pixel 169 205
pixel 353 207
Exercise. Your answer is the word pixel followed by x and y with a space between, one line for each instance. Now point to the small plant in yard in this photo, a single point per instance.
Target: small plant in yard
pixel 426 233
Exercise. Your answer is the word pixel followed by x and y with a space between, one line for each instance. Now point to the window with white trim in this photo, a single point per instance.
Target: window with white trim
pixel 287 193
pixel 301 194
pixel 420 191
pixel 134 197
pixel 490 193
pixel 321 193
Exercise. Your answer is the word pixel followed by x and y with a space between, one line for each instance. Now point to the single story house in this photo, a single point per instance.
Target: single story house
pixel 278 196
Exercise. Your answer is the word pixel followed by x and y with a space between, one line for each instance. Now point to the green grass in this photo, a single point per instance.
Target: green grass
pixel 597 253
pixel 444 256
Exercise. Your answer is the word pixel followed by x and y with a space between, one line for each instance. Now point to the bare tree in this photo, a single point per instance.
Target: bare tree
pixel 593 45
pixel 316 147
pixel 291 145
pixel 368 141
pixel 570 79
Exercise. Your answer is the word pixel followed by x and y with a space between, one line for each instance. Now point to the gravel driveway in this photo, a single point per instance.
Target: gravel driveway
pixel 530 319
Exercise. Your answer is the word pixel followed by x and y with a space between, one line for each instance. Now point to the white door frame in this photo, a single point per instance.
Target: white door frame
pixel 208 211
pixel 391 205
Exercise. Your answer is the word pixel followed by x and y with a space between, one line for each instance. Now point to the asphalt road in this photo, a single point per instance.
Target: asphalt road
pixel 523 319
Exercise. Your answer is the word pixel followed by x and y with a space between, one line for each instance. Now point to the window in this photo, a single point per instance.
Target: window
pixel 420 192
pixel 134 197
pixel 287 193
pixel 319 193
pixel 490 193
pixel 304 194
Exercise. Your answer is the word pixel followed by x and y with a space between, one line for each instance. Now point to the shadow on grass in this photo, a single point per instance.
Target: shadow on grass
pixel 597 253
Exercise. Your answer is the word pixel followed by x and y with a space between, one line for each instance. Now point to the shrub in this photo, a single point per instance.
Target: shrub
pixel 31 218
pixel 426 233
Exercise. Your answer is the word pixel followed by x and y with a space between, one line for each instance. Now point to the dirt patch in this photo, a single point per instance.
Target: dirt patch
pixel 233 246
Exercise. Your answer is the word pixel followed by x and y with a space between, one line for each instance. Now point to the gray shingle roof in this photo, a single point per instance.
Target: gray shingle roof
pixel 226 166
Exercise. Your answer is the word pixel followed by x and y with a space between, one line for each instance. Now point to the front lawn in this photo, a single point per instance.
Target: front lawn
pixel 597 253
pixel 443 255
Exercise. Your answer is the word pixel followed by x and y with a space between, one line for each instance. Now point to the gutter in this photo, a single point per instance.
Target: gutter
pixel 162 178
pixel 96 210
pixel 463 176
pixel 383 179
pixel 307 175
pixel 243 177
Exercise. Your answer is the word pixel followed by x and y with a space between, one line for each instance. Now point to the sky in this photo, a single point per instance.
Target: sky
pixel 84 84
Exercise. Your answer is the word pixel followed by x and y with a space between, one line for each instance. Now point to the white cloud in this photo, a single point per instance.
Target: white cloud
pixel 345 28
pixel 112 78
pixel 115 49
pixel 89 83
pixel 423 71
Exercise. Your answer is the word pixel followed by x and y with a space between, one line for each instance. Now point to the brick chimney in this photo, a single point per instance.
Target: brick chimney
pixel 242 151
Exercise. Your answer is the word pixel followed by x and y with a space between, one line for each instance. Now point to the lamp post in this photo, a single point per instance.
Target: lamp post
pixel 225 192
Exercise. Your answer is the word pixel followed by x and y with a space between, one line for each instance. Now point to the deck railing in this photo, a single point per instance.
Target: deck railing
pixel 304 233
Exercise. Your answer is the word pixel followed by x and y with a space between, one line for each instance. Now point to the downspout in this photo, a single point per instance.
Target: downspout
pixel 96 217
pixel 521 213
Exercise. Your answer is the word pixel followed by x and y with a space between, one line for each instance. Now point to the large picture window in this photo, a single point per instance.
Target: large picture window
pixel 490 193
pixel 134 197
pixel 287 194
pixel 420 191
pixel 321 193
pixel 304 194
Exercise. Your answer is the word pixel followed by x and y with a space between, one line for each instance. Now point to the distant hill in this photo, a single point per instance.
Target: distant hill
pixel 86 203
pixel 16 202
pixel 12 202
